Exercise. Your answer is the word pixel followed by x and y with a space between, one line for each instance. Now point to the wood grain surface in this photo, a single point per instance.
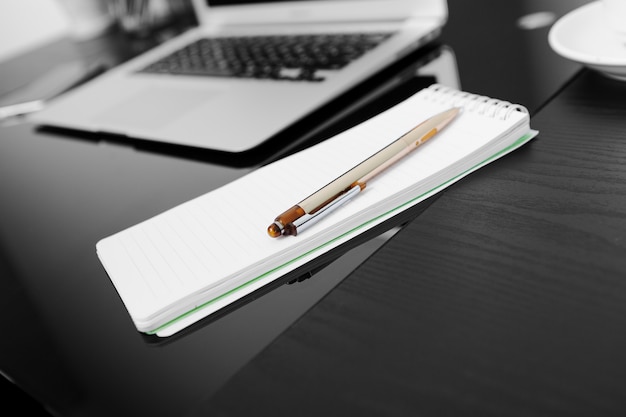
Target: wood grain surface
pixel 506 297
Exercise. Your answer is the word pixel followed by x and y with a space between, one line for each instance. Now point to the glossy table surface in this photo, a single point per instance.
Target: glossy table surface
pixel 69 343
pixel 505 297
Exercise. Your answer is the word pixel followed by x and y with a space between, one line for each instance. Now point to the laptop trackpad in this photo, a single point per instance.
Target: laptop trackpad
pixel 153 108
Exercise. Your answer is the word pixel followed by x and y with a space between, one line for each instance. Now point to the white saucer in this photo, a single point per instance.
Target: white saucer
pixel 582 36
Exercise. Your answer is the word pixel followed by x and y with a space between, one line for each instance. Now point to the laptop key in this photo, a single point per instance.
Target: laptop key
pixel 296 57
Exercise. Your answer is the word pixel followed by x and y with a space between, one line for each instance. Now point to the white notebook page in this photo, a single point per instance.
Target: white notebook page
pixel 219 240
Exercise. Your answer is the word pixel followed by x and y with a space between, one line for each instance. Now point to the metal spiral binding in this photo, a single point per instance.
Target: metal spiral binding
pixel 487 106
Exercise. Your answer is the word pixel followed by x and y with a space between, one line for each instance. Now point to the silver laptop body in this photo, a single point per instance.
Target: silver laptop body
pixel 235 114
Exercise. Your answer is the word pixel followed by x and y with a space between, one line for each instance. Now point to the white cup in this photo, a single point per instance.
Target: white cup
pixel 615 17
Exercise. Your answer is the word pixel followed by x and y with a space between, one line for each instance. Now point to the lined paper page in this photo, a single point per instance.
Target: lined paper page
pixel 208 245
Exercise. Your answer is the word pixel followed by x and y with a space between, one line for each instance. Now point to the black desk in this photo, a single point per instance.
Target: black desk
pixel 514 309
pixel 507 296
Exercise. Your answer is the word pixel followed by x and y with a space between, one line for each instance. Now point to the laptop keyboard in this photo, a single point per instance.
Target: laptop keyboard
pixel 293 57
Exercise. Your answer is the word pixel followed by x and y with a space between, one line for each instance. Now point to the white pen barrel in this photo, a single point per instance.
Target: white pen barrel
pixel 379 161
pixel 340 184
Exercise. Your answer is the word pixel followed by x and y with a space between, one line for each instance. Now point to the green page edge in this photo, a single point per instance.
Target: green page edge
pixel 521 141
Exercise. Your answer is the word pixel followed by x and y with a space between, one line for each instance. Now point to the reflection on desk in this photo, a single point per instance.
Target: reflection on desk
pixel 70 335
pixel 65 192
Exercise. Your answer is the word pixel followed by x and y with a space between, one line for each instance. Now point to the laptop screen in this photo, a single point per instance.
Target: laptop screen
pixel 233 2
pixel 383 8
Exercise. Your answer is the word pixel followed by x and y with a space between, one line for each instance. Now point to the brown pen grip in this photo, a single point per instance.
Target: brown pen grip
pixel 289 216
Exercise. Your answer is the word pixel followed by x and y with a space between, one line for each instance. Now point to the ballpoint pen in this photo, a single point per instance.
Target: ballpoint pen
pixel 351 183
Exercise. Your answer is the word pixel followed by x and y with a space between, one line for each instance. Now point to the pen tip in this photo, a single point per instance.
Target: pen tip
pixel 273 230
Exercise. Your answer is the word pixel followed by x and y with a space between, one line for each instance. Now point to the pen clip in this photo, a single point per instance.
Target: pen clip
pixel 308 220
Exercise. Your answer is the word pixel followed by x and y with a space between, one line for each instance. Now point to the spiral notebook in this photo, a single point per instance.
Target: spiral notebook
pixel 187 263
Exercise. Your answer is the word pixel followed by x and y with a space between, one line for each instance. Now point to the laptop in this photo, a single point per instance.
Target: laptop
pixel 249 70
